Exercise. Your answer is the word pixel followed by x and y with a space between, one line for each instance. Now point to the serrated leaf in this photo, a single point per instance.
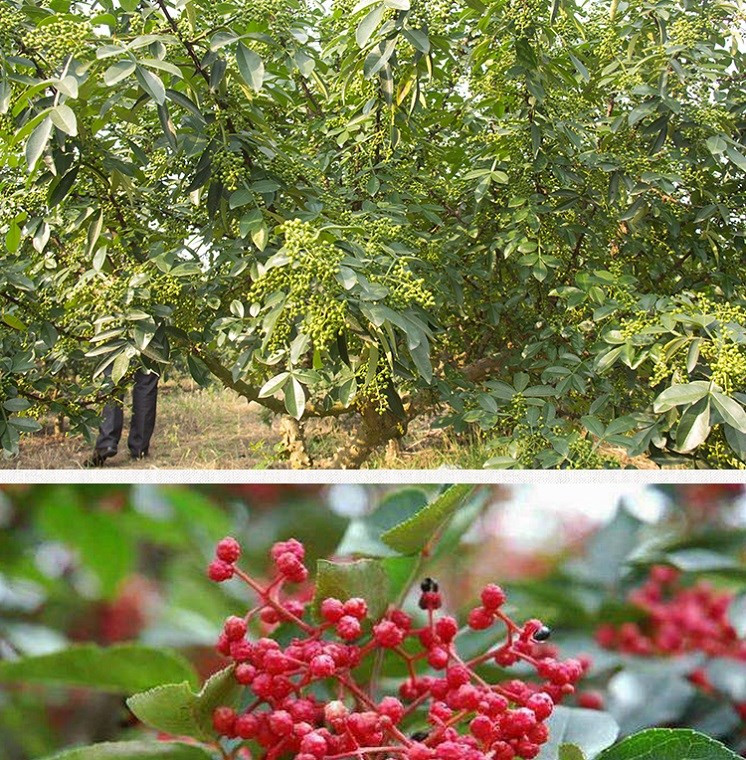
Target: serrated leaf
pixel 364 578
pixel 122 668
pixel 414 533
pixel 177 710
pixel 668 744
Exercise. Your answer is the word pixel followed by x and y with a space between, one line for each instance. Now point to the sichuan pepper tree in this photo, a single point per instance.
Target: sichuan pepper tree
pixel 525 214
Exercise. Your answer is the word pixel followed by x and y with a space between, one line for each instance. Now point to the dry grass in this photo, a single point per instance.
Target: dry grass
pixel 215 429
pixel 195 429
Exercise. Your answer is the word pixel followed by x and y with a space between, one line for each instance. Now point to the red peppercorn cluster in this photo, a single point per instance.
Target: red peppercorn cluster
pixel 459 713
pixel 678 619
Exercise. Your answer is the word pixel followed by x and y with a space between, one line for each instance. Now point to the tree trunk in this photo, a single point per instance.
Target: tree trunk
pixel 294 442
pixel 374 430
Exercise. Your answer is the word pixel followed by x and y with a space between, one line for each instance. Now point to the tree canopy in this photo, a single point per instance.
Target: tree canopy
pixel 522 215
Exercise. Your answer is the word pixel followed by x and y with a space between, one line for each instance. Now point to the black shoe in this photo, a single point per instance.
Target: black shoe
pixel 135 456
pixel 99 457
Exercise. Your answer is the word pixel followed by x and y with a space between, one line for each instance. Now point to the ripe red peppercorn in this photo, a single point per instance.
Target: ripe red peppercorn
pixel 246 726
pixel 228 550
pixel 235 628
pixel 349 628
pixel 332 610
pixel 492 597
pixel 356 607
pixel 224 721
pixel 480 618
pixel 219 571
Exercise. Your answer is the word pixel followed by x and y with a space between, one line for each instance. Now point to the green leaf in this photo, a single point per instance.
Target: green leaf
pixel 414 533
pixel 176 709
pixel 589 730
pixel 137 750
pixel 730 410
pixel 251 67
pixel 363 535
pixel 152 84
pixel 118 71
pixel 16 404
pixel 295 398
pixel 677 395
pixel 368 25
pixel 119 367
pixel 122 668
pixel 273 385
pixel 37 141
pixel 694 426
pixel 63 117
pixel 364 578
pixel 668 744
pixel 697 560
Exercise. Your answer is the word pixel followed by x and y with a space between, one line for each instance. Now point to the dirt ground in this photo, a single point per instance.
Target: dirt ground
pixel 215 429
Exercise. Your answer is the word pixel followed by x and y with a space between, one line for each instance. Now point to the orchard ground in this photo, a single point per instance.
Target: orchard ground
pixel 216 429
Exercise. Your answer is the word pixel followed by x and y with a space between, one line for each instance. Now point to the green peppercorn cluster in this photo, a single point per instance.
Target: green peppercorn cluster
pixel 57 40
pixel 314 299
pixel 228 167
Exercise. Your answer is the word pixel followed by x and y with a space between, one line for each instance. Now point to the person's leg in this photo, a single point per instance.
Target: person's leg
pixel 144 400
pixel 109 433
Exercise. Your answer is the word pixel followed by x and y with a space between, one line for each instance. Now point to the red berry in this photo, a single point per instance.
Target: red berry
pixel 291 546
pixel 387 634
pixel 392 708
pixel 332 610
pixel 446 628
pixel 245 673
pixel 228 550
pixel 541 705
pixel 246 726
pixel 314 744
pixel 419 751
pixel 219 571
pixel 481 728
pixel 492 596
pixel 224 721
pixel 349 628
pixel 281 723
pixel 291 567
pixel 235 628
pixel 591 700
pixel 437 658
pixel 480 618
pixel 356 607
pixel 322 666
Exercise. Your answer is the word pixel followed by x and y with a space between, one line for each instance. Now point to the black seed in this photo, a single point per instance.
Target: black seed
pixel 543 633
pixel 428 584
pixel 419 736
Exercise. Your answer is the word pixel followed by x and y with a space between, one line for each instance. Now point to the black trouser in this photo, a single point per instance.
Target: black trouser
pixel 144 399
